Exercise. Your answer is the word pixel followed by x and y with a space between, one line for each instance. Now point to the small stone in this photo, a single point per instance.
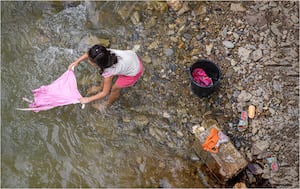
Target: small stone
pixel 295 19
pixel 180 134
pixel 272 111
pixel 136 48
pixel 240 185
pixel 228 44
pixel 166 115
pixel 233 62
pixel 126 119
pixel 209 48
pixel 255 168
pixel 153 45
pixel 135 18
pixel 169 52
pixel 141 120
pixel 237 7
pixel 244 53
pixel 147 59
pixel 273 4
pixel 257 55
pixel 244 96
pixel 174 4
pixel 259 147
pixel 275 30
pixel 185 8
pixel 194 157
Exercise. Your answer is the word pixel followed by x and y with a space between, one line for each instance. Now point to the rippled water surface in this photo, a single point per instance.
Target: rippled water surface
pixel 68 146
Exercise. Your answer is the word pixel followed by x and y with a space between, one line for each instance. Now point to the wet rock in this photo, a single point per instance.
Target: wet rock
pixel 135 18
pixel 126 119
pixel 97 40
pixel 141 120
pixel 157 134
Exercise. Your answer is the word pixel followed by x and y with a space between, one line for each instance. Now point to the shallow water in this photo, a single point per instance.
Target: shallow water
pixel 68 146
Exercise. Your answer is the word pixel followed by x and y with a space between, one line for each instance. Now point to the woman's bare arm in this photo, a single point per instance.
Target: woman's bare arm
pixel 74 64
pixel 107 83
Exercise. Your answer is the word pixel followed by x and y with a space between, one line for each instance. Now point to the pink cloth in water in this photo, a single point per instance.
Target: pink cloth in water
pixel 62 91
pixel 201 78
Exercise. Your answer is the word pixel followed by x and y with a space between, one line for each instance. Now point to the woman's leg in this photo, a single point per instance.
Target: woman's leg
pixel 114 95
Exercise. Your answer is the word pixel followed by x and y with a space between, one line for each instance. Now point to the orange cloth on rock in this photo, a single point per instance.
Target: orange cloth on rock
pixel 211 141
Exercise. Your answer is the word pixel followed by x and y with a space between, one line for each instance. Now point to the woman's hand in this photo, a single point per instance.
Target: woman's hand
pixel 84 100
pixel 73 64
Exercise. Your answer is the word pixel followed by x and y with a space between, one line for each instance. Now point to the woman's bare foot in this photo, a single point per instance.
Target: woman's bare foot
pixel 100 106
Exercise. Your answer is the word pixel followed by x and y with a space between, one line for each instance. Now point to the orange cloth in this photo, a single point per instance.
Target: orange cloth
pixel 211 141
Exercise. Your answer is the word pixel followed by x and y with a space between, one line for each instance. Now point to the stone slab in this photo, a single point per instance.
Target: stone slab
pixel 225 164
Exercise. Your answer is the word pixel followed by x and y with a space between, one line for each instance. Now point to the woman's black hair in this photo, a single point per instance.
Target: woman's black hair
pixel 102 57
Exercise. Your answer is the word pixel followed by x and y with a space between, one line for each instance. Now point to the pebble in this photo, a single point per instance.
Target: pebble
pixel 228 44
pixel 237 7
pixel 257 55
pixel 244 96
pixel 169 52
pixel 244 53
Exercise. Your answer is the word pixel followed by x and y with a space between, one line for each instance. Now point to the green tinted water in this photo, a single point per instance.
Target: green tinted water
pixel 68 146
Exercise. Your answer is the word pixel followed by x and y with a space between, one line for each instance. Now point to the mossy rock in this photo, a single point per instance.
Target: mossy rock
pixel 92 40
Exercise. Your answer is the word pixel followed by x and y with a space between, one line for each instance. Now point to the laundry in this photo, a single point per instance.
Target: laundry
pixel 63 91
pixel 213 140
pixel 201 77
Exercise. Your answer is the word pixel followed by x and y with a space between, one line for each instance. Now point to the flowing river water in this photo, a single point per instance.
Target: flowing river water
pixel 69 146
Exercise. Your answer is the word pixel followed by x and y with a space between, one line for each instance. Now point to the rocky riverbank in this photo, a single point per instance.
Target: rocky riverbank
pixel 256 45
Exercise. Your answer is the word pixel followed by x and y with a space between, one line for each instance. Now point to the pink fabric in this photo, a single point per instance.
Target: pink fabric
pixel 124 81
pixel 201 78
pixel 62 91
